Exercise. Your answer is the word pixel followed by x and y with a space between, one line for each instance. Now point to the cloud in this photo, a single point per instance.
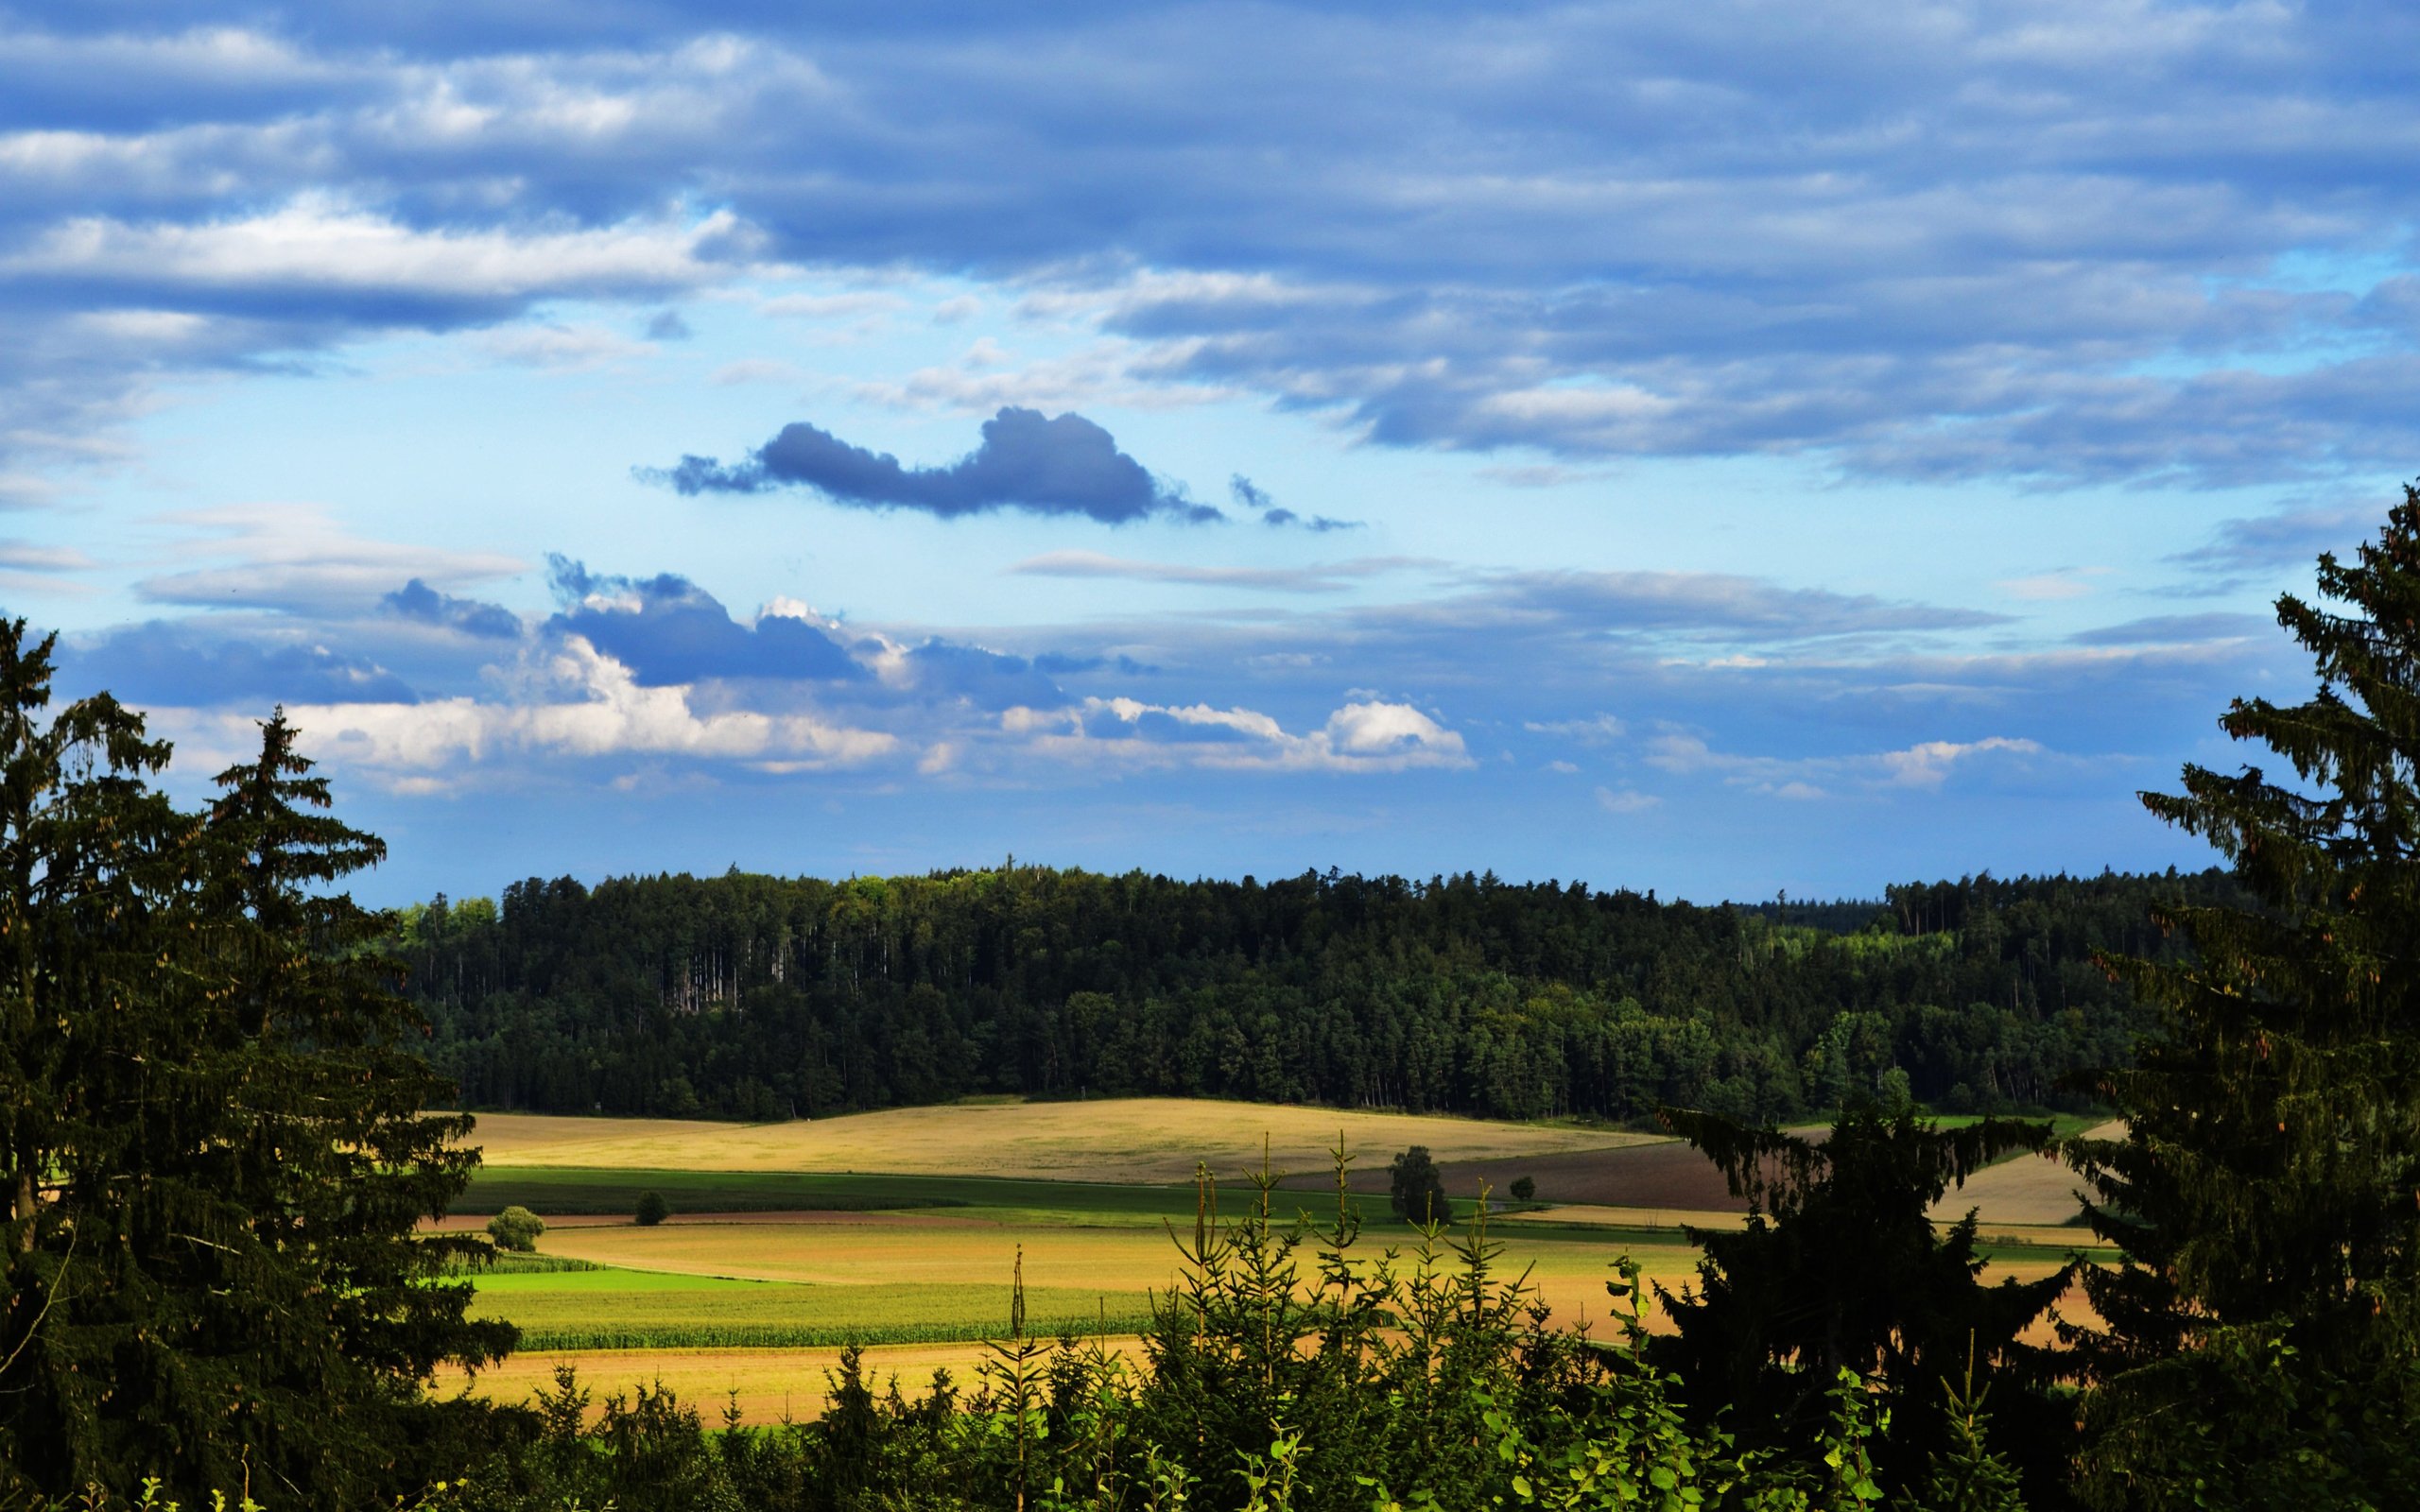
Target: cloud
pixel 1364 736
pixel 1625 801
pixel 1063 465
pixel 669 632
pixel 1928 765
pixel 2163 248
pixel 668 325
pixel 416 600
pixel 1251 496
pixel 2292 538
pixel 1323 579
pixel 582 705
pixel 2168 629
pixel 296 559
pixel 168 662
pixel 27 557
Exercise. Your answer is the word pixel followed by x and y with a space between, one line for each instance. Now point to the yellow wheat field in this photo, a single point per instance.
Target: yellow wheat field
pixel 1129 1138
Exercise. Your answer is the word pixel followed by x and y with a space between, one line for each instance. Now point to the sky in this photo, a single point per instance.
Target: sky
pixel 1727 448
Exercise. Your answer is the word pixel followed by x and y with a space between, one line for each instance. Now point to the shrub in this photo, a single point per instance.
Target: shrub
pixel 517 1227
pixel 1524 1189
pixel 652 1208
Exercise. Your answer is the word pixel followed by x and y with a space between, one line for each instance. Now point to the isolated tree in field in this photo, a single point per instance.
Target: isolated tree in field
pixel 652 1208
pixel 2261 1338
pixel 516 1229
pixel 214 1149
pixel 1416 1188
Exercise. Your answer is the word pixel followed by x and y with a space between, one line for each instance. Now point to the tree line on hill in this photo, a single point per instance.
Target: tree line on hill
pixel 758 998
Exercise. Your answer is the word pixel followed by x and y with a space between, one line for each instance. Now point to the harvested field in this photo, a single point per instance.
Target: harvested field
pixel 2035 1190
pixel 1136 1139
pixel 766 1385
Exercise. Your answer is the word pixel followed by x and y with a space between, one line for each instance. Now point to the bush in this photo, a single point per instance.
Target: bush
pixel 517 1227
pixel 1524 1189
pixel 652 1209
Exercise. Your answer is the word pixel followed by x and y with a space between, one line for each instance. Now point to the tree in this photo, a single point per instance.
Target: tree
pixel 1839 1267
pixel 1524 1188
pixel 652 1208
pixel 1416 1188
pixel 516 1229
pixel 2261 1335
pixel 216 1154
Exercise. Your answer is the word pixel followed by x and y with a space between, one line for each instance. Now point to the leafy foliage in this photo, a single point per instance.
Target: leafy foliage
pixel 516 1229
pixel 651 1209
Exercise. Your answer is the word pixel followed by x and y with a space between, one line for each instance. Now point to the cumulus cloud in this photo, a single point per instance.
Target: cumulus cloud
pixel 584 706
pixel 669 632
pixel 1044 465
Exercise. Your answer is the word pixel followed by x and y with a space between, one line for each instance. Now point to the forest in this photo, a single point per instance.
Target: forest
pixel 753 997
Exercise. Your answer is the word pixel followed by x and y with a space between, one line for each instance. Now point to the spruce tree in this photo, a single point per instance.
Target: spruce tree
pixel 1839 1268
pixel 217 1152
pixel 2261 1339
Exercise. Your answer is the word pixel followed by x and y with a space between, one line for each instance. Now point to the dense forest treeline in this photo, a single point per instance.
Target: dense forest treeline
pixel 757 997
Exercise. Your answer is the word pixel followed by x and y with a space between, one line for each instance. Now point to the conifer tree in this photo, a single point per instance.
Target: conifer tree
pixel 217 1152
pixel 2261 1340
pixel 1839 1267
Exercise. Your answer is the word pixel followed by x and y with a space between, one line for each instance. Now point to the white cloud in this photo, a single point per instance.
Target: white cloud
pixel 1928 765
pixel 608 714
pixel 1359 737
pixel 1625 801
pixel 317 241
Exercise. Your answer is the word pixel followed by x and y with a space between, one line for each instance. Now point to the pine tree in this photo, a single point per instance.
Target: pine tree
pixel 215 1139
pixel 2261 1339
pixel 1839 1267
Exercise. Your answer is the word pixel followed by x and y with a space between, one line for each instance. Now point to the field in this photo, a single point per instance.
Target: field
pixel 1143 1140
pixel 764 1269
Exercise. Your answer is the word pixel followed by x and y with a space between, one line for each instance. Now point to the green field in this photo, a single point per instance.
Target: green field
pixel 612 1309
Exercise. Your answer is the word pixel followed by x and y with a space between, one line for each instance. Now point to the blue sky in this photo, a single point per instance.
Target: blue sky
pixel 1722 448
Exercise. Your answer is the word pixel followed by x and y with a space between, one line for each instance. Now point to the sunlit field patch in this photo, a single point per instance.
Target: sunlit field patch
pixel 1118 1140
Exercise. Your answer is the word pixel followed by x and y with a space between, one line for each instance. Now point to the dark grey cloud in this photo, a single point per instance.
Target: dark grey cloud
pixel 667 630
pixel 1045 465
pixel 190 664
pixel 986 678
pixel 416 600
